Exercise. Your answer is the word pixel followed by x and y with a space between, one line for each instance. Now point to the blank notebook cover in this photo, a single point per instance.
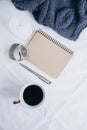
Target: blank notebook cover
pixel 48 54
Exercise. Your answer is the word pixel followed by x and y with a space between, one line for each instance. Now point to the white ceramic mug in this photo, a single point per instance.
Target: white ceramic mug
pixel 31 95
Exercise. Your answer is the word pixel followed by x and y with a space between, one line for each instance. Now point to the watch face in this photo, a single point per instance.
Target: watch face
pixel 23 51
pixel 33 95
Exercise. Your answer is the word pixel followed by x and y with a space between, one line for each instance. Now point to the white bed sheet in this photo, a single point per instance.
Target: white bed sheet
pixel 65 104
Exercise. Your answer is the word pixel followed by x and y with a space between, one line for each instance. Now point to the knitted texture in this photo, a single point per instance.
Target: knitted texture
pixel 66 17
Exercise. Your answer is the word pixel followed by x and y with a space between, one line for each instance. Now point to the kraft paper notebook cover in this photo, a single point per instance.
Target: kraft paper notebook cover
pixel 47 54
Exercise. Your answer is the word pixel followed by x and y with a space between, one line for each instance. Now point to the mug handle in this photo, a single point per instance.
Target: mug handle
pixel 16 101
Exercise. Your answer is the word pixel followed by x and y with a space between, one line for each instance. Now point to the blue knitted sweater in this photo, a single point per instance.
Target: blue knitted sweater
pixel 66 17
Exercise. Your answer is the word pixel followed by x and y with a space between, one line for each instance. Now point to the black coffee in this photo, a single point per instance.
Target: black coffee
pixel 33 95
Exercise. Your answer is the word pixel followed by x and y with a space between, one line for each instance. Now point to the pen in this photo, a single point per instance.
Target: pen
pixel 36 74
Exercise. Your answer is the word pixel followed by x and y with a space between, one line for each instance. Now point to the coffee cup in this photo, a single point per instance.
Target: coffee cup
pixel 31 95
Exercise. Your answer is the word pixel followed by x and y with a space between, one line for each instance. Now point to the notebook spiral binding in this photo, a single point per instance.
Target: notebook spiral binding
pixel 55 41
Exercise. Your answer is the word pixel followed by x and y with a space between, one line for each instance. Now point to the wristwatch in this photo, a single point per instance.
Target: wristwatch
pixel 17 49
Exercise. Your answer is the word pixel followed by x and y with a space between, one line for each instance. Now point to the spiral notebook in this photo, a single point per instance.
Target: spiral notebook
pixel 48 54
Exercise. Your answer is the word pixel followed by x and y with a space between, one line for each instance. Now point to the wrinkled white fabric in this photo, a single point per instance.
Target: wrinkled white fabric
pixel 65 105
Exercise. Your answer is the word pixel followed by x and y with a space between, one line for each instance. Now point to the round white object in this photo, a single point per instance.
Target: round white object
pixel 21 27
